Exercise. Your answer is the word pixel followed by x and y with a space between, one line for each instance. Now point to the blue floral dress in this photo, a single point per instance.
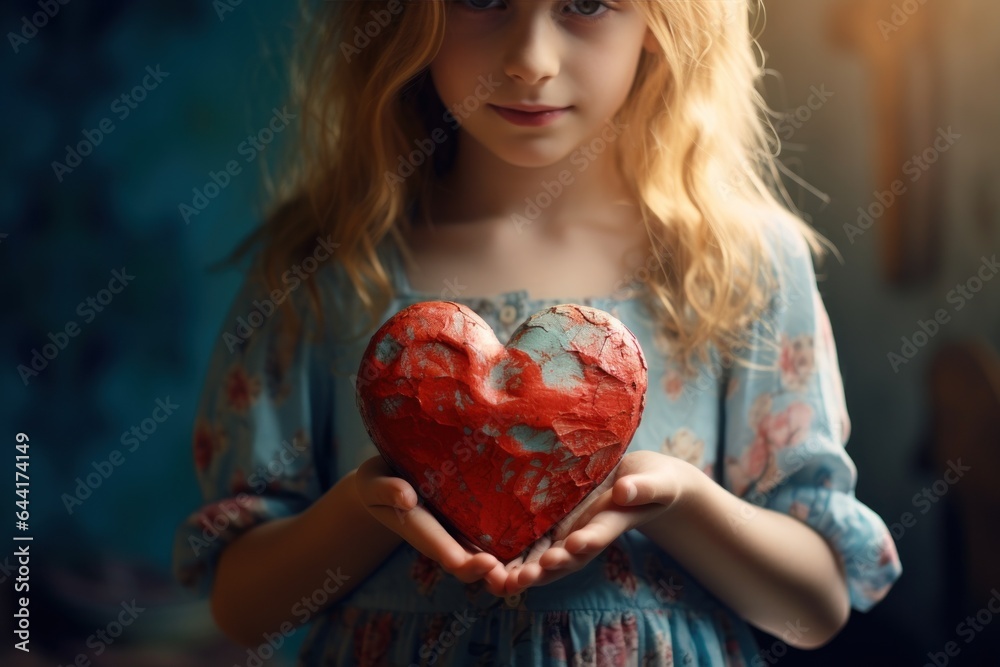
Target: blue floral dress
pixel 278 425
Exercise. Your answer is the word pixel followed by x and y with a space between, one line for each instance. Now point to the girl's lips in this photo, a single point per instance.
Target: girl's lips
pixel 531 119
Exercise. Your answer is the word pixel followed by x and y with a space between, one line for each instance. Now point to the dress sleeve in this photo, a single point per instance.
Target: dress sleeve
pixel 255 430
pixel 786 428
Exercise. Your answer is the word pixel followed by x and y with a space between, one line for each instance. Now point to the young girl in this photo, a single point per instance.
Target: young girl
pixel 511 155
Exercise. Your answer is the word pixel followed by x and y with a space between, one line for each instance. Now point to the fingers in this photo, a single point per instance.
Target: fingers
pixel 556 557
pixel 422 530
pixel 392 492
pixel 496 580
pixel 597 535
pixel 650 477
pixel 375 466
pixel 554 564
pixel 378 486
pixel 474 568
pixel 598 499
pixel 571 554
pixel 393 501
pixel 537 549
pixel 637 489
pixel 626 492
pixel 649 490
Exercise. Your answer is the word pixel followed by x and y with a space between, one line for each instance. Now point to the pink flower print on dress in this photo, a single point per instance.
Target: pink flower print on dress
pixel 426 572
pixel 786 428
pixel 828 351
pixel 760 409
pixel 660 656
pixel 241 390
pixel 618 569
pixel 686 446
pixel 371 641
pixel 206 443
pixel 797 362
pixel 557 634
pixel 616 643
pixel 888 553
pixel 799 510
pixel 673 384
pixel 229 513
pixel 238 482
pixel 758 464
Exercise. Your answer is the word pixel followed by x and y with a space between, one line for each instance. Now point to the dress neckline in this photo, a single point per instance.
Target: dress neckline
pixel 401 281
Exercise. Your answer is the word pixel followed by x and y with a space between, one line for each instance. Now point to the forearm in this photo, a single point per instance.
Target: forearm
pixel 770 568
pixel 263 576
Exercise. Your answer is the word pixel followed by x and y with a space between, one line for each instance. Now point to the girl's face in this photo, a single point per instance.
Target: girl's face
pixel 580 54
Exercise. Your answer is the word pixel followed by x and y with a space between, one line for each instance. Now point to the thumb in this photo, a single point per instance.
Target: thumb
pixel 633 490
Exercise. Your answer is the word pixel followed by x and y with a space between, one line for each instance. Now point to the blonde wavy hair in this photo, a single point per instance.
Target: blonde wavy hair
pixel 698 149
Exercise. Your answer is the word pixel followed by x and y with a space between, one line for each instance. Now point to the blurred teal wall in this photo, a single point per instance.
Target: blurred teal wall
pixel 138 103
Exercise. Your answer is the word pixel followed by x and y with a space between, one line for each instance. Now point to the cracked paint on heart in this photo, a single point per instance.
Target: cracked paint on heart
pixel 501 442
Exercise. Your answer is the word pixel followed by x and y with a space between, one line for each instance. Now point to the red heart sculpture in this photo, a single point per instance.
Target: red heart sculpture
pixel 502 442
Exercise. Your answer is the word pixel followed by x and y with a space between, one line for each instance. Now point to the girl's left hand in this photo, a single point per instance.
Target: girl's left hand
pixel 643 486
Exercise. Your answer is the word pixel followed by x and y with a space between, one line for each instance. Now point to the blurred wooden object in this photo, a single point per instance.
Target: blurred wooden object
pixel 908 192
pixel 964 384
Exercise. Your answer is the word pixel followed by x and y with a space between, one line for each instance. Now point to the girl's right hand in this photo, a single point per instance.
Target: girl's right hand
pixel 393 501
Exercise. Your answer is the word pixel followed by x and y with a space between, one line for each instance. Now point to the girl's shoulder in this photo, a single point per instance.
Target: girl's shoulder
pixel 786 236
pixel 790 246
pixel 311 296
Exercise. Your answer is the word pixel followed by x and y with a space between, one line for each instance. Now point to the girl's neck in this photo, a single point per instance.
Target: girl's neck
pixel 569 229
pixel 484 189
pixel 592 255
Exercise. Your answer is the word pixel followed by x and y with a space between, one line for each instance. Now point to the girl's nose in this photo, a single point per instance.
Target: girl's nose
pixel 532 48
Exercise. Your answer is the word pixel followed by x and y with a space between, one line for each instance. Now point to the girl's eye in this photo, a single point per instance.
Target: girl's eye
pixel 471 4
pixel 593 6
